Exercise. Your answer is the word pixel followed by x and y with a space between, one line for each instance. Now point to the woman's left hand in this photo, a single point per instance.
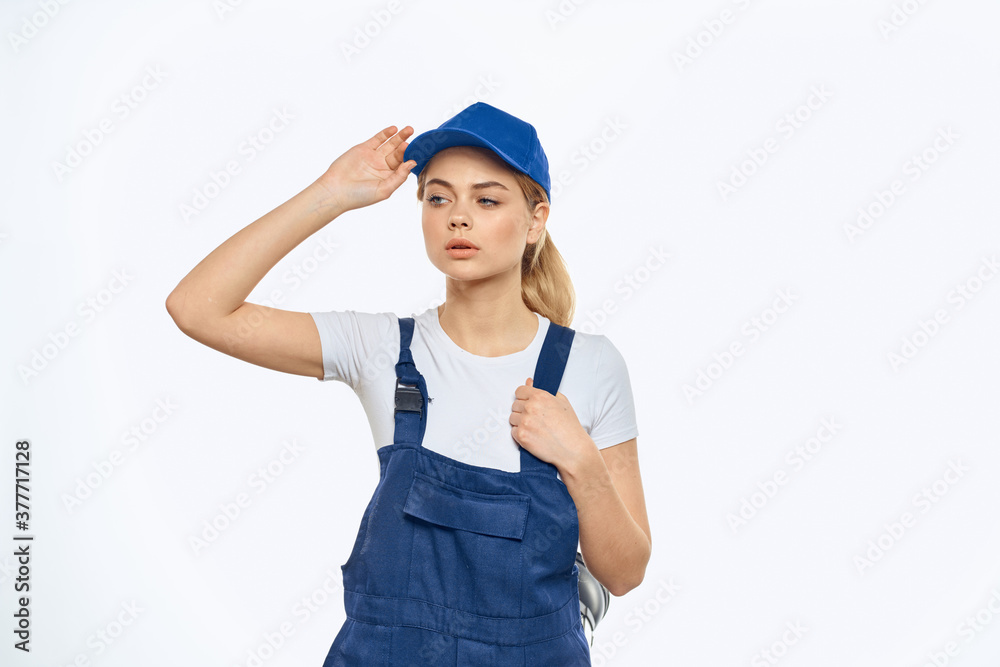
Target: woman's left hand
pixel 547 426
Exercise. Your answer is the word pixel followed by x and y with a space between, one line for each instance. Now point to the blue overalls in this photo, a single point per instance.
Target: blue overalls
pixel 457 565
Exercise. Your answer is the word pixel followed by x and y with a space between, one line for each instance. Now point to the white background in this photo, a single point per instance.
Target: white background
pixel 662 134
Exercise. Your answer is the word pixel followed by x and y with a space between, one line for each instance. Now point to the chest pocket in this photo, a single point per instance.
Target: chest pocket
pixel 467 546
pixel 451 507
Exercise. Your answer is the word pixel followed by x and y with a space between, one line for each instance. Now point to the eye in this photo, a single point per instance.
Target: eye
pixel 435 200
pixel 487 202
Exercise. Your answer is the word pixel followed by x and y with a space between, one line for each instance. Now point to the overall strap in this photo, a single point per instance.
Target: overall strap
pixel 548 375
pixel 411 392
pixel 411 389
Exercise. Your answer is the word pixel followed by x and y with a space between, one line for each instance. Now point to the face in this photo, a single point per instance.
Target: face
pixel 470 193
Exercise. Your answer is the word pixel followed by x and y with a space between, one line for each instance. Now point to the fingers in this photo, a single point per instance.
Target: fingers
pixel 391 145
pixel 395 158
pixel 380 138
pixel 395 147
pixel 404 134
pixel 388 140
pixel 398 176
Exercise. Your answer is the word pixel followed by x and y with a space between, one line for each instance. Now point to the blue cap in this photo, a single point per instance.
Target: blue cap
pixel 512 139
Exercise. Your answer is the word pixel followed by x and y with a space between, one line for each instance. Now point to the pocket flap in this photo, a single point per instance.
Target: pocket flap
pixel 487 514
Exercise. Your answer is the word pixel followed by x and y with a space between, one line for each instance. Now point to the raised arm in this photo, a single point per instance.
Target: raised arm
pixel 209 304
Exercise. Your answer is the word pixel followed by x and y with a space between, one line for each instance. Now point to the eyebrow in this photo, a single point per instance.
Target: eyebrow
pixel 475 186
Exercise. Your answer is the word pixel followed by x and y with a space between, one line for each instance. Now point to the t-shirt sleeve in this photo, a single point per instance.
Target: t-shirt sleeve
pixel 614 406
pixel 352 341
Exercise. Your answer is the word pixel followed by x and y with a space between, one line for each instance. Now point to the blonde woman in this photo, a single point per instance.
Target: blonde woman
pixel 506 441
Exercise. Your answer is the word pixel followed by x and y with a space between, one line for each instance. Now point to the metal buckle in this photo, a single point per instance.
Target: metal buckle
pixel 408 398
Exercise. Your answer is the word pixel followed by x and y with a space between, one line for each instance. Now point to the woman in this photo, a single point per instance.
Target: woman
pixel 465 555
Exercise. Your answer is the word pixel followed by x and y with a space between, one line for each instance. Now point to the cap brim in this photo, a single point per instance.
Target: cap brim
pixel 430 143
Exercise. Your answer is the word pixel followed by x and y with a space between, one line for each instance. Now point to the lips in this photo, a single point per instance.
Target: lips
pixel 461 243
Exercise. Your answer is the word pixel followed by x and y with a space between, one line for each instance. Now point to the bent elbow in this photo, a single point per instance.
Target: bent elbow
pixel 632 579
pixel 174 308
pixel 620 588
pixel 187 321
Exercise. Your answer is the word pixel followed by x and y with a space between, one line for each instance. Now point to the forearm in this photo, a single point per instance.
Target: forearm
pixel 221 282
pixel 615 547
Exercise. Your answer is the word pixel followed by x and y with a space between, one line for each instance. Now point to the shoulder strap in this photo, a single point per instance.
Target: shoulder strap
pixel 411 392
pixel 411 389
pixel 548 376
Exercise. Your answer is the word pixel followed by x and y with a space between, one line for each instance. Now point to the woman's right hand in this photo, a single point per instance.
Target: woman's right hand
pixel 370 171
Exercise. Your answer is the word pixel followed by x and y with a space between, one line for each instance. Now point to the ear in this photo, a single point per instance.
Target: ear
pixel 537 222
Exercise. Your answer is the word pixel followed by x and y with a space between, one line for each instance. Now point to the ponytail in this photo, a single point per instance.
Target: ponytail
pixel 546 287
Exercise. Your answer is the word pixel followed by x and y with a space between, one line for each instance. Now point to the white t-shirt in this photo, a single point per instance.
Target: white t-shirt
pixel 471 396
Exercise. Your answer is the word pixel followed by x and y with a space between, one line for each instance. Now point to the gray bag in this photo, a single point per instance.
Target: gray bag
pixel 594 599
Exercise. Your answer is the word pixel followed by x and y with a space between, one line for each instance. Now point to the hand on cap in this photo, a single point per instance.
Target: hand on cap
pixel 370 171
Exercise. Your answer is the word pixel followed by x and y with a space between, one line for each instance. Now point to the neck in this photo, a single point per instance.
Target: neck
pixel 488 320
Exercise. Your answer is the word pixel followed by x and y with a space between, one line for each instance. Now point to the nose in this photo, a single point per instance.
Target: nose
pixel 459 218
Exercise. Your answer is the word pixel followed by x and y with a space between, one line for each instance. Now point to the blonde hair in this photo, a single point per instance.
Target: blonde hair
pixel 546 287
